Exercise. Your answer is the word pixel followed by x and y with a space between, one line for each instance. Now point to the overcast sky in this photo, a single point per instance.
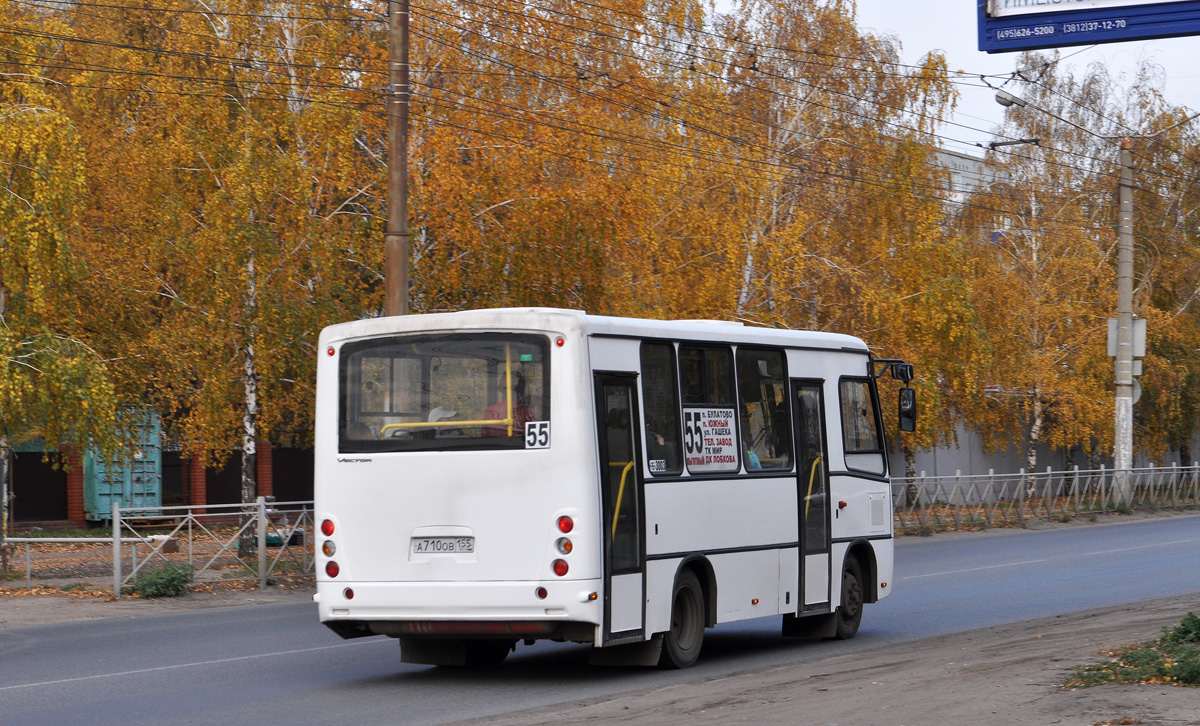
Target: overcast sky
pixel 950 25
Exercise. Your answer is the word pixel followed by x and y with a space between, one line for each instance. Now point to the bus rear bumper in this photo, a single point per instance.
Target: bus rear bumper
pixel 570 610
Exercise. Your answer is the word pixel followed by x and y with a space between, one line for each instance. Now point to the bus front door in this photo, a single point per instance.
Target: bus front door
pixel 813 483
pixel 620 478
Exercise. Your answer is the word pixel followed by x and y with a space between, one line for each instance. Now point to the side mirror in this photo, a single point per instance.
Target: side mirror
pixel 902 371
pixel 908 409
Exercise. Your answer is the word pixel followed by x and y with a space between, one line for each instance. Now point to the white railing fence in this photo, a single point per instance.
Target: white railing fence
pixel 219 543
pixel 254 543
pixel 233 542
pixel 931 503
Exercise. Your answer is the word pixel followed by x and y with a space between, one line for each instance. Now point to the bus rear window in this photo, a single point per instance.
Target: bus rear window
pixel 440 392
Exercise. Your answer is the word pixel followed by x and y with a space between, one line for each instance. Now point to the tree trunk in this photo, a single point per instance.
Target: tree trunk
pixel 910 471
pixel 249 452
pixel 249 417
pixel 1035 432
pixel 744 292
pixel 5 467
pixel 1094 457
pixel 249 429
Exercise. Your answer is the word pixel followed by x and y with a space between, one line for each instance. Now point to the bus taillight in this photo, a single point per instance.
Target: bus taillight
pixel 565 524
pixel 327 528
pixel 564 545
pixel 560 567
pixel 332 569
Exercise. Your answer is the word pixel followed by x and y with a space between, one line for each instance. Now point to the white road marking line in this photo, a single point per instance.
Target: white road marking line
pixel 971 569
pixel 1034 562
pixel 1139 547
pixel 183 665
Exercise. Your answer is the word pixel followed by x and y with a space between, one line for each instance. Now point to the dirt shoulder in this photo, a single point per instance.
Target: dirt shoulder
pixel 1007 674
pixel 1001 675
pixel 20 606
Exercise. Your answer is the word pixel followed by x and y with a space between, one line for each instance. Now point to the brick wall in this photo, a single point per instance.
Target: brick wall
pixel 74 487
pixel 195 481
pixel 264 468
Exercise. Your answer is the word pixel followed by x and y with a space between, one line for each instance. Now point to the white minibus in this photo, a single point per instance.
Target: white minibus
pixel 491 477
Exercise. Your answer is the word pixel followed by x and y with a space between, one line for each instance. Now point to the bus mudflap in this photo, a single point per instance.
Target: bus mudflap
pixel 811 626
pixel 646 653
pixel 349 628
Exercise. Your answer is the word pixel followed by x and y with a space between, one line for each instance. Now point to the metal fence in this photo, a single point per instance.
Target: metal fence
pixel 932 503
pixel 217 543
pixel 274 540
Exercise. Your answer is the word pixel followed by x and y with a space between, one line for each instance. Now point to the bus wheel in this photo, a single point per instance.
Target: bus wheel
pixel 849 613
pixel 681 644
pixel 487 653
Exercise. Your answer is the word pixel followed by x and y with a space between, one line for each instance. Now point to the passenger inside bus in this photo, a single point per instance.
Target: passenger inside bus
pixel 753 463
pixel 359 431
pixel 661 448
pixel 442 414
pixel 498 411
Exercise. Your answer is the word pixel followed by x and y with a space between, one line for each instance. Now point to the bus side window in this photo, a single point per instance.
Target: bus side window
pixel 661 409
pixel 766 427
pixel 861 437
pixel 707 375
pixel 709 409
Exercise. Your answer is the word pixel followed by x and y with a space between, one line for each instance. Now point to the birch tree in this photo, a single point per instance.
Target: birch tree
pixel 1046 259
pixel 53 384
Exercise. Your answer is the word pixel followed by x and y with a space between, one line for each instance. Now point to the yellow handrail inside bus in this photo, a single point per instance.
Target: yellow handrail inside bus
pixel 508 398
pixel 811 475
pixel 508 387
pixel 443 424
pixel 620 492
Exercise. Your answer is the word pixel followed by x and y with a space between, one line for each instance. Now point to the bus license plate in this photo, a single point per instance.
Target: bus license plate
pixel 442 545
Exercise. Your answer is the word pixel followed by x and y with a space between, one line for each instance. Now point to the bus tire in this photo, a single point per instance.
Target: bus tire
pixel 682 643
pixel 487 653
pixel 849 612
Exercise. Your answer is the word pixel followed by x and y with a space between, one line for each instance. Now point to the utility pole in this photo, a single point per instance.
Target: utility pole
pixel 396 238
pixel 1123 431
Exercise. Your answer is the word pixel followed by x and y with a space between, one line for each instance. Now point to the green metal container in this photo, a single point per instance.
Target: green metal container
pixel 133 482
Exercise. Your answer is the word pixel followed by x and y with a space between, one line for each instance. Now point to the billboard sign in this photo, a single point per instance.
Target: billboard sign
pixel 1014 25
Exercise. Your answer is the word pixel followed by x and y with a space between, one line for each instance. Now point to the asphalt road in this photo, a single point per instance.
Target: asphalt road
pixel 276 665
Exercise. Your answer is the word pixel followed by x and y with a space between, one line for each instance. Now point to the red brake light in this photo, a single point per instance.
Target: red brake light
pixel 565 524
pixel 332 569
pixel 559 341
pixel 327 528
pixel 560 567
pixel 329 350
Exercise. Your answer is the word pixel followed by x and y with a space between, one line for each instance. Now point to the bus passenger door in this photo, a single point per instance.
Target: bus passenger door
pixel 621 481
pixel 813 485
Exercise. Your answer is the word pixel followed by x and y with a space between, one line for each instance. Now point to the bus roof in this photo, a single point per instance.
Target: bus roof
pixel 577 321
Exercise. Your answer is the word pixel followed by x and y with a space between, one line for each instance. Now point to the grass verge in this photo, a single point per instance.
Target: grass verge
pixel 1173 658
pixel 170 580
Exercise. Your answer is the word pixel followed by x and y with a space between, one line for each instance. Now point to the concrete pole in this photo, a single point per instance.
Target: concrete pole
pixel 5 458
pixel 1123 431
pixel 262 543
pixel 116 543
pixel 396 238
